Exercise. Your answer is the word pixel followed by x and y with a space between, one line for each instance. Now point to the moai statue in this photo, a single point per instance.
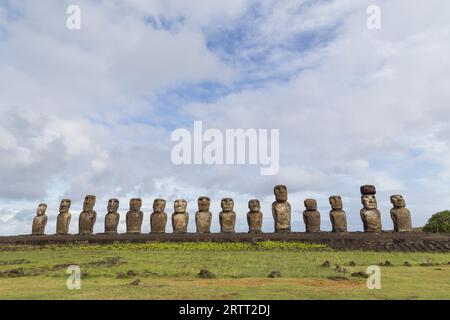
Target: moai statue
pixel 311 216
pixel 112 217
pixel 281 209
pixel 203 216
pixel 227 217
pixel 338 217
pixel 63 219
pixel 158 218
pixel 87 216
pixel 40 221
pixel 135 216
pixel 400 215
pixel 180 218
pixel 370 215
pixel 254 216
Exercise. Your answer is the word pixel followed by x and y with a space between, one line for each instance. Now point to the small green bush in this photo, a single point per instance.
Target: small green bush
pixel 439 222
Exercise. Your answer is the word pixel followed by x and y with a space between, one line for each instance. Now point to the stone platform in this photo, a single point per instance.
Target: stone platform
pixel 386 241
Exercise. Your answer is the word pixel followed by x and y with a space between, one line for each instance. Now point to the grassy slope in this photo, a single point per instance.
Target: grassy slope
pixel 168 271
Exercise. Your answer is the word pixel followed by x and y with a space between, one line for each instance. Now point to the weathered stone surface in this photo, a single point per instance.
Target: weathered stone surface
pixel 401 217
pixel 366 241
pixel 135 216
pixel 274 274
pixel 338 216
pixel 370 215
pixel 203 217
pixel 87 216
pixel 311 216
pixel 158 218
pixel 281 209
pixel 368 190
pixel 64 216
pixel 254 216
pixel 180 218
pixel 227 216
pixel 40 221
pixel 112 218
pixel 326 264
pixel 206 274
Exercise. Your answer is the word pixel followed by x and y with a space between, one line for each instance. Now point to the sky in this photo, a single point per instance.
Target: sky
pixel 91 111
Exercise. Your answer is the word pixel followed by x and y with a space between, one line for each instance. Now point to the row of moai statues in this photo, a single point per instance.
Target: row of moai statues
pixel 281 212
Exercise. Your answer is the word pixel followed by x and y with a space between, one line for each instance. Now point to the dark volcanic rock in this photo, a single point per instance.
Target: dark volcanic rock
pixel 135 282
pixel 326 264
pixel 360 274
pixel 274 274
pixel 368 190
pixel 206 274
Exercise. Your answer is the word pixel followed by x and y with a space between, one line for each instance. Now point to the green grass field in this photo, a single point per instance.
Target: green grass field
pixel 169 271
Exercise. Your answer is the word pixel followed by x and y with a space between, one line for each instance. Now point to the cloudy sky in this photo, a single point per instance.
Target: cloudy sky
pixel 91 111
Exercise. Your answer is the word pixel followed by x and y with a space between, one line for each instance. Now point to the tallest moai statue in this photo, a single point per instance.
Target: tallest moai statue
pixel 281 209
pixel 370 215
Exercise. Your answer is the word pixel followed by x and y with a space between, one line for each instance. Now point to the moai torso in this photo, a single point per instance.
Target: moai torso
pixel 254 217
pixel 158 218
pixel 135 216
pixel 40 221
pixel 87 216
pixel 338 216
pixel 370 215
pixel 112 217
pixel 401 217
pixel 281 210
pixel 111 222
pixel 203 216
pixel 311 216
pixel 180 218
pixel 227 217
pixel 63 219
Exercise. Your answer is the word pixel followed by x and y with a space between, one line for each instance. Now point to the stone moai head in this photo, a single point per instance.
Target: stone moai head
pixel 336 203
pixel 135 204
pixel 159 205
pixel 368 199
pixel 280 192
pixel 89 203
pixel 113 205
pixel 180 206
pixel 310 204
pixel 42 207
pixel 203 203
pixel 64 206
pixel 227 204
pixel 398 201
pixel 254 205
